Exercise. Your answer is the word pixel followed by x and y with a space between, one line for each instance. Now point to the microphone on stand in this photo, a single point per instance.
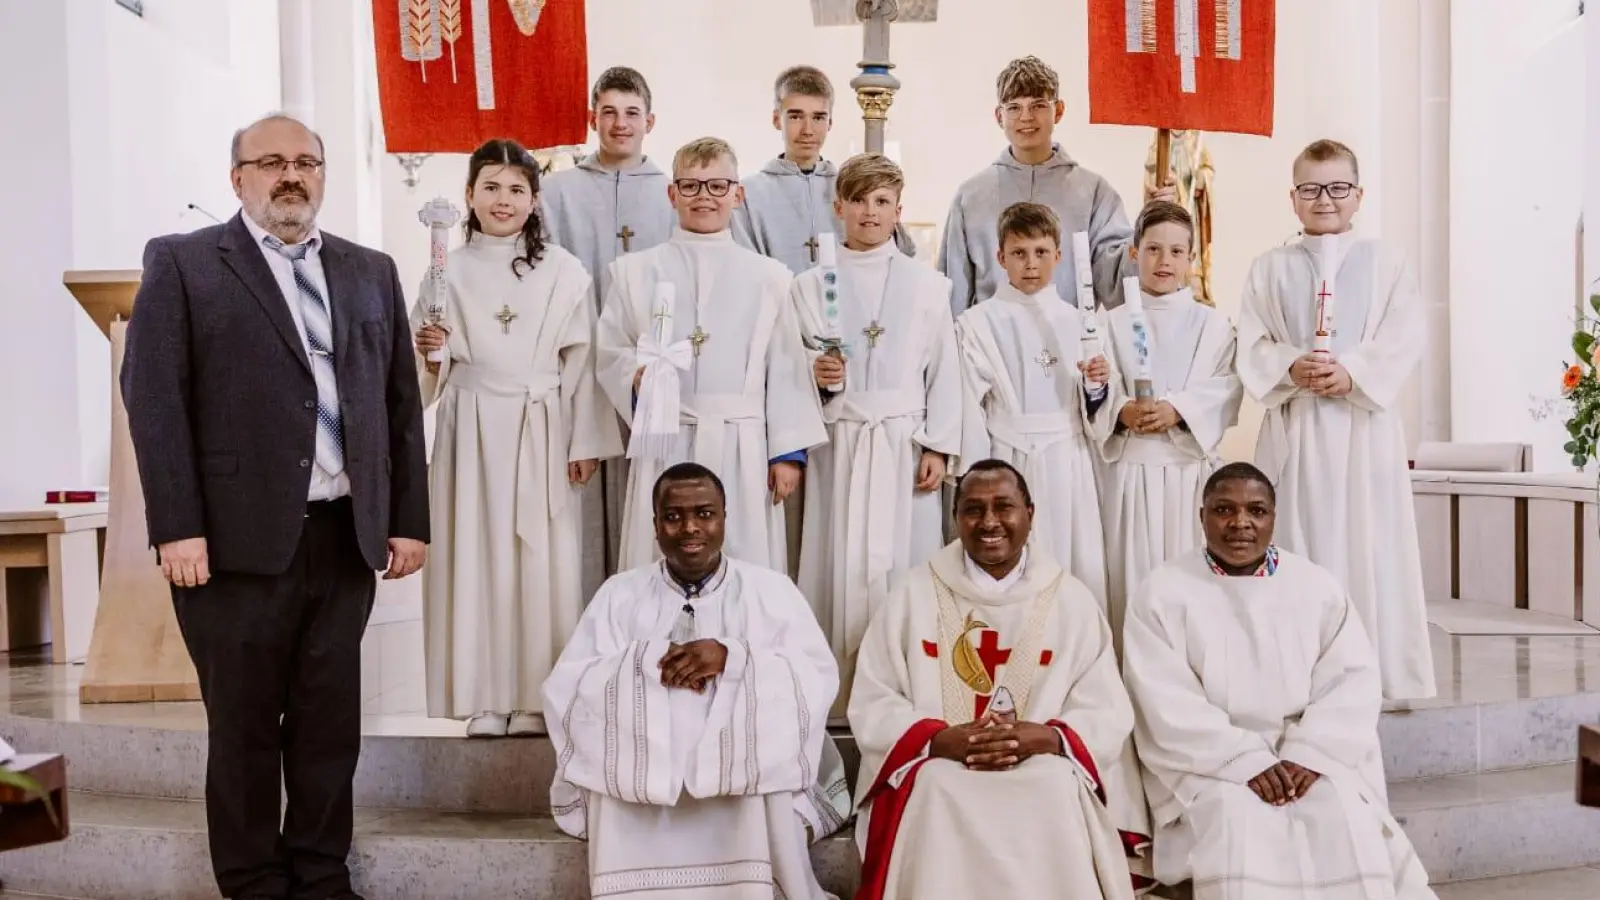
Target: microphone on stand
pixel 204 213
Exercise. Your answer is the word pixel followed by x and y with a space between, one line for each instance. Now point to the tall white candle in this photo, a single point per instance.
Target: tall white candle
pixel 1089 342
pixel 1133 302
pixel 828 261
pixel 439 215
pixel 1325 255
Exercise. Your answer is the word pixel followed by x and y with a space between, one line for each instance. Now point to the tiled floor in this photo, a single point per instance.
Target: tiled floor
pixel 1566 884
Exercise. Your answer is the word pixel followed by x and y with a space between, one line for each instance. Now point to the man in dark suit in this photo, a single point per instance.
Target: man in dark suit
pixel 273 403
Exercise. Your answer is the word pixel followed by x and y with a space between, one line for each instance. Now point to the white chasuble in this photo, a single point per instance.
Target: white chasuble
pixel 1025 404
pixel 1340 463
pixel 1231 675
pixel 748 395
pixel 941 648
pixel 697 796
pixel 1081 199
pixel 598 214
pixel 864 518
pixel 1150 490
pixel 517 400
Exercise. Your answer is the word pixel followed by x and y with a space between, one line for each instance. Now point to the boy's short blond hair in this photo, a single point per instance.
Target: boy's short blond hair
pixel 807 81
pixel 1327 150
pixel 1029 220
pixel 867 172
pixel 703 152
pixel 1027 77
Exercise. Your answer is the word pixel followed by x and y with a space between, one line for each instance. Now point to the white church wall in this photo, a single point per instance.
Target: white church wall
pixel 1517 102
pixel 135 115
pixel 38 421
pixel 710 77
pixel 1591 174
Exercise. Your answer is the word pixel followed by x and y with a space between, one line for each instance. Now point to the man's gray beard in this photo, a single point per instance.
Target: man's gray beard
pixel 293 221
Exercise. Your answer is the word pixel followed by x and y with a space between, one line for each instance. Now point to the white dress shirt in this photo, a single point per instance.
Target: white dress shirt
pixel 323 485
pixel 989 584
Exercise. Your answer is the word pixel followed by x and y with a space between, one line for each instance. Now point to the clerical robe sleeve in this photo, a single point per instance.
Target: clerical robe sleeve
pixel 941 381
pixel 617 338
pixel 608 715
pixel 592 429
pixel 157 392
pixel 977 382
pixel 1264 360
pixel 1097 709
pixel 1109 236
pixel 768 719
pixel 888 727
pixel 794 411
pixel 955 260
pixel 1209 401
pixel 1380 365
pixel 1184 740
pixel 1339 727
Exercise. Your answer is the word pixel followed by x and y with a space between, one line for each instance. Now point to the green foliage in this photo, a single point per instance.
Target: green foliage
pixel 1580 385
pixel 30 788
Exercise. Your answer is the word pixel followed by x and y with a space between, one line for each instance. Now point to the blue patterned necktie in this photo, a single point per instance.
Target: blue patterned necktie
pixel 319 335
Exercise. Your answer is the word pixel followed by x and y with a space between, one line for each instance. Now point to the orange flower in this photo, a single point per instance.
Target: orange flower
pixel 1570 379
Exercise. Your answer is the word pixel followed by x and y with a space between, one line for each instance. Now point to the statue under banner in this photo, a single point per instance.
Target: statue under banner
pixel 1189 170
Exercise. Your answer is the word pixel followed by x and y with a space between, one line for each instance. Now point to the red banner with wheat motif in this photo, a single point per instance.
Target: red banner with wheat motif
pixel 1201 64
pixel 455 73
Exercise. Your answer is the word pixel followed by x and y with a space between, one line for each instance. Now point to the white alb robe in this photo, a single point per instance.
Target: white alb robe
pixel 587 209
pixel 1150 492
pixel 1052 827
pixel 686 796
pixel 1229 676
pixel 1036 418
pixel 517 402
pixel 1082 200
pixel 748 397
pixel 864 518
pixel 1339 464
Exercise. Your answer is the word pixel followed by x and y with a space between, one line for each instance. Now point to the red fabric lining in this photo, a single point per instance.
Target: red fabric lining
pixel 889 804
pixel 931 649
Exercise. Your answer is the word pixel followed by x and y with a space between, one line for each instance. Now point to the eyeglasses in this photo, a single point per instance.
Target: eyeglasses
pixel 275 165
pixel 716 187
pixel 1311 191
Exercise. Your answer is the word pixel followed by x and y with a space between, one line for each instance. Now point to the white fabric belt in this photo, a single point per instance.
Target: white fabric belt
pixel 874 480
pixel 1155 450
pixel 542 389
pixel 1030 435
pixel 710 412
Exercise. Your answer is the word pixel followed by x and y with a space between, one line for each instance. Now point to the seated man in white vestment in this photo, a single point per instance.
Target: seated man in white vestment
pixel 886 366
pixel 1258 697
pixel 688 715
pixel 698 350
pixel 992 723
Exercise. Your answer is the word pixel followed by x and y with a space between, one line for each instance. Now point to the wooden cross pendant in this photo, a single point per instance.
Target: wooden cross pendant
pixel 698 337
pixel 873 332
pixel 1046 360
pixel 627 237
pixel 504 317
pixel 811 246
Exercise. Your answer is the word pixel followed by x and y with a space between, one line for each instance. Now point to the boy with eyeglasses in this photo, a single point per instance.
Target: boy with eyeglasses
pixel 698 350
pixel 1329 333
pixel 1033 169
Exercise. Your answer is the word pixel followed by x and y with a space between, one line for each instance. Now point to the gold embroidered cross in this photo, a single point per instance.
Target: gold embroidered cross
pixel 697 338
pixel 504 317
pixel 627 236
pixel 873 332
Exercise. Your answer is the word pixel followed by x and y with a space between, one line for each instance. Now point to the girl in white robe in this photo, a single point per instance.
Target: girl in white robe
pixel 1161 451
pixel 521 426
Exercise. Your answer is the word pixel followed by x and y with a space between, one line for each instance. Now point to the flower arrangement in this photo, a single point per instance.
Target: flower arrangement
pixel 1580 388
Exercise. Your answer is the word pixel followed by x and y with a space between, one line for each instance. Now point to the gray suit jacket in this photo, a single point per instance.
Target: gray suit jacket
pixel 222 405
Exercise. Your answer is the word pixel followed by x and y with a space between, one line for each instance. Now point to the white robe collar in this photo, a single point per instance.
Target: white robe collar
pixel 885 250
pixel 1011 294
pixel 693 238
pixel 1178 299
pixel 1037 571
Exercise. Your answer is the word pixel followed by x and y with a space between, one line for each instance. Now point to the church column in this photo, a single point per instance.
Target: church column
pixel 1516 163
pixel 343 108
pixel 295 24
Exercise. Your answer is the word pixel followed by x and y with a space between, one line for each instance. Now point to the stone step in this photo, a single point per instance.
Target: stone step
pixel 141 848
pixel 437 768
pixel 1582 883
pixel 137 848
pixel 1492 824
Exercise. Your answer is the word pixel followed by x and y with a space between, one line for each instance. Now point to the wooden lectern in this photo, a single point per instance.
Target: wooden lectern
pixel 136 653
